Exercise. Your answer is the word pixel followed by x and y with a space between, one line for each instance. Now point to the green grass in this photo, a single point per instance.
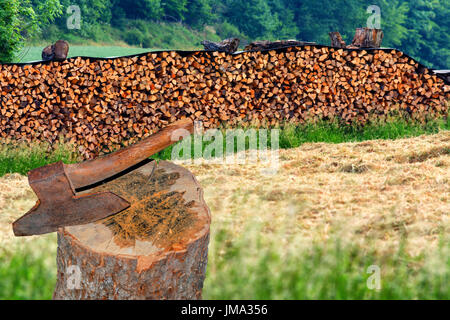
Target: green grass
pixel 294 135
pixel 23 275
pixel 33 53
pixel 249 267
pixel 333 132
pixel 22 158
pixel 105 41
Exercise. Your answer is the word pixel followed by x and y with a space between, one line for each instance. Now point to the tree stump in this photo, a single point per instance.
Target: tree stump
pixel 155 249
pixel 367 38
pixel 336 40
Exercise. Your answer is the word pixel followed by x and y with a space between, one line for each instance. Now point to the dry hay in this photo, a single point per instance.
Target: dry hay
pixel 374 193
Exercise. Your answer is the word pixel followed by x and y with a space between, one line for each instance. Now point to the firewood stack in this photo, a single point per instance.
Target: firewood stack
pixel 101 105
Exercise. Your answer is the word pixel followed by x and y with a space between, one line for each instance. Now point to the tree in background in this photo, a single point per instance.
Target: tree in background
pixel 287 28
pixel 174 10
pixel 315 19
pixel 252 17
pixel 21 20
pixel 394 14
pixel 137 9
pixel 94 15
pixel 199 13
pixel 421 28
pixel 428 35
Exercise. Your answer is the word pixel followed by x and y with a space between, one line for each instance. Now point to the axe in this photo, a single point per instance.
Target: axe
pixel 55 185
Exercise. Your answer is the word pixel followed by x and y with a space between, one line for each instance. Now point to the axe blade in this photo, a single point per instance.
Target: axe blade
pixel 58 206
pixel 55 185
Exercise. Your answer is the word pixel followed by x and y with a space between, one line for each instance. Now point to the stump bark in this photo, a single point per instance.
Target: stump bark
pixel 367 38
pixel 336 40
pixel 155 249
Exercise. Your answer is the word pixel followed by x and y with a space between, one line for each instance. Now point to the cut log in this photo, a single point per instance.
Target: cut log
pixel 336 40
pixel 228 45
pixel 367 38
pixel 272 45
pixel 156 249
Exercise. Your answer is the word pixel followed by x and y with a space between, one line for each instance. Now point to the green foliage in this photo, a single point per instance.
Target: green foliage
pixel 94 15
pixel 199 13
pixel 253 17
pixel 21 20
pixel 428 33
pixel 418 27
pixel 394 14
pixel 174 10
pixel 227 30
pixel 137 9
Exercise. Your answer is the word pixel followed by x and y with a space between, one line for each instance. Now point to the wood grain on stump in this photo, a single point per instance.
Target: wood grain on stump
pixel 155 249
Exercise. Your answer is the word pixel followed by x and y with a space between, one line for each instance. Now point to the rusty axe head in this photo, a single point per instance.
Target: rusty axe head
pixel 58 205
pixel 55 185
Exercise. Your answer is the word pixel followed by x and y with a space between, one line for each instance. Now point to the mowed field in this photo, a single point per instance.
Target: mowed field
pixel 309 231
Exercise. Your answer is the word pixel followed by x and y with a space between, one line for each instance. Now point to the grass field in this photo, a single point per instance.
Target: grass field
pixel 312 230
pixel 148 36
pixel 33 53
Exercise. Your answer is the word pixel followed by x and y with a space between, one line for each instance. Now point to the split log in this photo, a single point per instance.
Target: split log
pixel 228 45
pixel 336 40
pixel 156 249
pixel 367 38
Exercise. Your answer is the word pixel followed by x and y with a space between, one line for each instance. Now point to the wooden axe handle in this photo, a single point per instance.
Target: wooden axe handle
pixel 92 171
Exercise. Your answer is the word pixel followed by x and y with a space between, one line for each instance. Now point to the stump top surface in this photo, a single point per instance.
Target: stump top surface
pixel 167 213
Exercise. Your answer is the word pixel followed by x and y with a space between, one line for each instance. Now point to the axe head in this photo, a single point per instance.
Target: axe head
pixel 59 206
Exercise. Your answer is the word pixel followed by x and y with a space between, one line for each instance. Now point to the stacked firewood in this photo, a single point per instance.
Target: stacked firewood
pixel 101 105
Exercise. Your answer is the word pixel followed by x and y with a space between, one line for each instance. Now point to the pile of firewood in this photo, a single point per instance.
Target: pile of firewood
pixel 103 104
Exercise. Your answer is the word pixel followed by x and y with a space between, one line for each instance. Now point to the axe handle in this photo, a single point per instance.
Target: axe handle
pixel 92 171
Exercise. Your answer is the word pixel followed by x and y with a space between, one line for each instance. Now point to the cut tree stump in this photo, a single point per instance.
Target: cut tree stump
pixel 336 40
pixel 367 38
pixel 155 249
